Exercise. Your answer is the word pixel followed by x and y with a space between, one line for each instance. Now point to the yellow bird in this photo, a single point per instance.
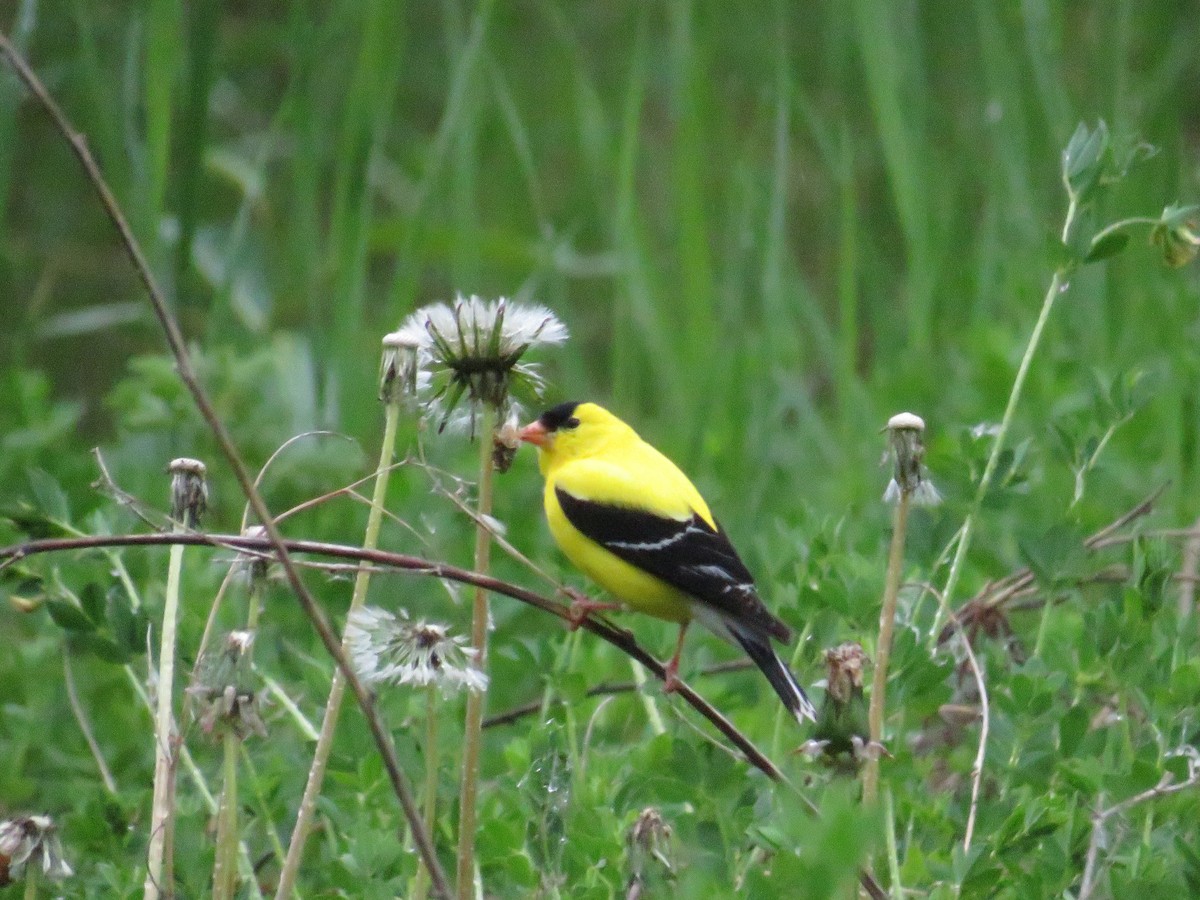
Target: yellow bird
pixel 633 522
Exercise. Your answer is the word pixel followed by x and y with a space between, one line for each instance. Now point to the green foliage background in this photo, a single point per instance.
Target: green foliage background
pixel 769 226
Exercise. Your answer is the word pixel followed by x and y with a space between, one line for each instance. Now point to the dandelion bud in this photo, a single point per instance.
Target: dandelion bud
pixel 31 840
pixel 400 373
pixel 840 737
pixel 1179 242
pixel 506 441
pixel 905 438
pixel 189 491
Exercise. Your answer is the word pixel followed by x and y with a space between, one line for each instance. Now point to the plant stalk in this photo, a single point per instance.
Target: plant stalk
pixel 421 884
pixel 473 732
pixel 337 687
pixel 161 818
pixel 883 648
pixel 1058 285
pixel 225 864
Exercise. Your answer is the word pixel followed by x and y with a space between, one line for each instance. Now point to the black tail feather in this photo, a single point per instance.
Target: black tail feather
pixel 759 649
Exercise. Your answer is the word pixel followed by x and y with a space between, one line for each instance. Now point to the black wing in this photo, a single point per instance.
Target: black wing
pixel 689 555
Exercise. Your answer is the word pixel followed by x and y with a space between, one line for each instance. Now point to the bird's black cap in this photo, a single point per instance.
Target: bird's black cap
pixel 557 416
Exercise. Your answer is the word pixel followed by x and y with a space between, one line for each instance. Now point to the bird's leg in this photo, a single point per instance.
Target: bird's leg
pixel 582 607
pixel 671 682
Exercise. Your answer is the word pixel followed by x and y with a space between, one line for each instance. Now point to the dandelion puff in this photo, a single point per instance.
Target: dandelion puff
pixel 472 351
pixel 388 649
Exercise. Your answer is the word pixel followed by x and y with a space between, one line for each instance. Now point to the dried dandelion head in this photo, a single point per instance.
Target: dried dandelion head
pixel 31 840
pixel 224 688
pixel 840 737
pixel 388 649
pixel 471 354
pixel 649 841
pixel 189 491
pixel 907 449
pixel 401 375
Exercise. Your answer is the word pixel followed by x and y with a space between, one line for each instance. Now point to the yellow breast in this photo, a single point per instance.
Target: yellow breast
pixel 630 585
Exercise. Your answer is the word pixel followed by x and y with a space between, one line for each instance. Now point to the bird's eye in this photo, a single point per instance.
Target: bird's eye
pixel 572 422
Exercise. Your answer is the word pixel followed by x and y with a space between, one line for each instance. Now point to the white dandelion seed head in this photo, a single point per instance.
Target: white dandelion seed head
pixel 473 349
pixel 388 649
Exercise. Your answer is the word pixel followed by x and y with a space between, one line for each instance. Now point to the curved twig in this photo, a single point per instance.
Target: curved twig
pixel 187 375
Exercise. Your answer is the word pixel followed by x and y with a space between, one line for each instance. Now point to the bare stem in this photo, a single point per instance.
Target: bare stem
pixel 421 885
pixel 619 638
pixel 337 688
pixel 473 734
pixel 1058 284
pixel 164 736
pixel 883 648
pixel 81 717
pixel 187 375
pixel 225 864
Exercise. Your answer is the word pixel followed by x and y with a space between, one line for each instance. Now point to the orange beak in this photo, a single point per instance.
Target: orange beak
pixel 535 433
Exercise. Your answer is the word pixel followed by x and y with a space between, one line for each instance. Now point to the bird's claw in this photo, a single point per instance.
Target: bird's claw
pixel 582 607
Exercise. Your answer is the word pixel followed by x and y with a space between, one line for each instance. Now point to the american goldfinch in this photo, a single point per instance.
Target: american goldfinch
pixel 633 522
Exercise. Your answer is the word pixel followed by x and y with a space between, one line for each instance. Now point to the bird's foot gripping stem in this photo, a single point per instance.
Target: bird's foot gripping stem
pixel 671 680
pixel 582 607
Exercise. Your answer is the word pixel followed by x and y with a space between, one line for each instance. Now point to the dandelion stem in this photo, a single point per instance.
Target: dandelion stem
pixel 479 622
pixel 421 885
pixel 337 688
pixel 895 886
pixel 225 864
pixel 883 649
pixel 158 868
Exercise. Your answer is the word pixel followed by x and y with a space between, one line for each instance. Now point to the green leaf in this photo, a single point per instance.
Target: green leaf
pixel 1071 729
pixel 92 599
pixel 1082 160
pixel 1107 246
pixel 68 616
pixel 50 497
pixel 128 629
pixel 101 647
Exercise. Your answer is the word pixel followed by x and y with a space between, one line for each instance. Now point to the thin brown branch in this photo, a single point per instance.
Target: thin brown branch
pixel 619 638
pixel 605 690
pixel 187 374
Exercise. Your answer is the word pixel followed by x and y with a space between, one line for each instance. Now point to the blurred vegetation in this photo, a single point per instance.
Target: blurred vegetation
pixel 769 226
